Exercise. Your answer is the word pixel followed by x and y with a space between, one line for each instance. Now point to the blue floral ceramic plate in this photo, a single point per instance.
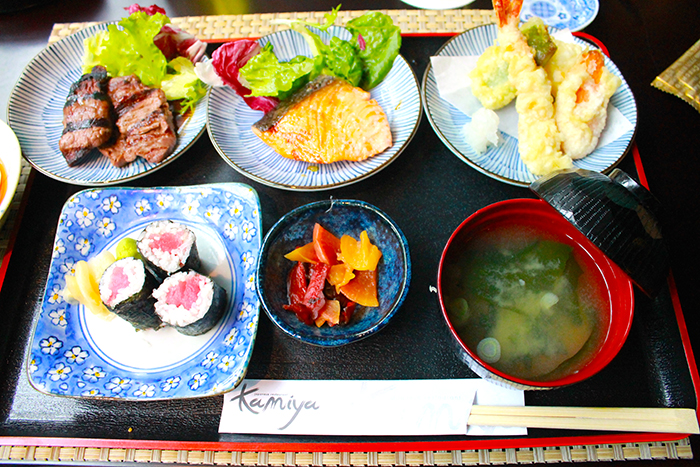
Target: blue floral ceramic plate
pixel 503 162
pixel 563 14
pixel 339 217
pixel 35 113
pixel 75 353
pixel 230 119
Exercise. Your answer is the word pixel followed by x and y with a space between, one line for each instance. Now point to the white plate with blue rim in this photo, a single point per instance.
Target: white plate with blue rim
pixel 35 114
pixel 76 353
pixel 562 14
pixel 230 120
pixel 503 162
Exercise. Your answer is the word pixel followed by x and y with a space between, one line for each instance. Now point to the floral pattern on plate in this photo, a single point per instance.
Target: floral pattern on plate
pixel 563 14
pixel 74 353
pixel 229 121
pixel 35 113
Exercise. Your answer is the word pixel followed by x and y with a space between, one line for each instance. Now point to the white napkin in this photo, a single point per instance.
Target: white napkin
pixel 361 408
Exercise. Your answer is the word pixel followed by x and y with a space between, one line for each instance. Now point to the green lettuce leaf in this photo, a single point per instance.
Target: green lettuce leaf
pixel 364 66
pixel 342 61
pixel 265 75
pixel 129 50
pixel 182 83
pixel 382 42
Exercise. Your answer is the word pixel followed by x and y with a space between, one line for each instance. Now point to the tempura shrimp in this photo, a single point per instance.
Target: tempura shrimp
pixel 582 103
pixel 539 141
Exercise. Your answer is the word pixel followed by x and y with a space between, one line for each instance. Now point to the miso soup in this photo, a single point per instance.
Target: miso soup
pixel 526 303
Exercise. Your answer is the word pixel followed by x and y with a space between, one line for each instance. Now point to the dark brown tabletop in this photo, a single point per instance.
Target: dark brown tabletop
pixel 428 191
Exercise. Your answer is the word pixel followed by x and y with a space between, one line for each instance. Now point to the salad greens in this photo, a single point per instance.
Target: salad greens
pixel 181 82
pixel 128 48
pixel 362 61
pixel 382 41
pixel 267 76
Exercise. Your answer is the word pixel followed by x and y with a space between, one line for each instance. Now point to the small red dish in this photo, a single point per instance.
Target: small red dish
pixel 611 281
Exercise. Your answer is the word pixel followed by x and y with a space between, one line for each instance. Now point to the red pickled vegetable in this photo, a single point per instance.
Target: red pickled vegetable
pixel 314 298
pixel 149 10
pixel 296 284
pixel 330 279
pixel 346 312
pixel 326 245
pixel 228 59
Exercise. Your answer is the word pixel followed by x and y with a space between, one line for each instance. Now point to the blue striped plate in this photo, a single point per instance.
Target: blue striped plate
pixel 35 114
pixel 503 162
pixel 230 119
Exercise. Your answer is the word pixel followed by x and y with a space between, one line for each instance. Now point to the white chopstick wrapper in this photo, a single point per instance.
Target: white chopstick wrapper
pixel 358 408
pixel 454 86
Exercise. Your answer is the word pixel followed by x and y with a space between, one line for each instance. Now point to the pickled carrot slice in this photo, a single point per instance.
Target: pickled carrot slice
pixel 326 245
pixel 363 288
pixel 305 254
pixel 339 275
pixel 361 255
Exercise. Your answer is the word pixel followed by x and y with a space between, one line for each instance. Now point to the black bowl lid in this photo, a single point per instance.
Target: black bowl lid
pixel 618 215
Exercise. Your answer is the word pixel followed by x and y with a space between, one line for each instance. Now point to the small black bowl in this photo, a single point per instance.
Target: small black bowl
pixel 340 217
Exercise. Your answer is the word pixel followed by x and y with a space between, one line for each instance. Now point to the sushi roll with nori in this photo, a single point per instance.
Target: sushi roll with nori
pixel 168 247
pixel 191 302
pixel 125 289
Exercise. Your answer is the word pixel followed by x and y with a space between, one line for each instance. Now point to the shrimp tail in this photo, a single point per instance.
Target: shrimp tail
pixel 507 11
pixel 594 63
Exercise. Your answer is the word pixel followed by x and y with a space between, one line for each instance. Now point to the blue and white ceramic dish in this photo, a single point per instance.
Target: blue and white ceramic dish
pixel 503 162
pixel 230 119
pixel 74 353
pixel 339 217
pixel 35 113
pixel 563 14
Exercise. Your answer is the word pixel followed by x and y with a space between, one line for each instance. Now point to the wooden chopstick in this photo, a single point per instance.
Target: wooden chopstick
pixel 658 420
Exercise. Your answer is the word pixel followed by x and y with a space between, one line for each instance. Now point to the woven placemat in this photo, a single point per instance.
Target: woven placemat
pixel 225 27
pixel 221 28
pixel 583 453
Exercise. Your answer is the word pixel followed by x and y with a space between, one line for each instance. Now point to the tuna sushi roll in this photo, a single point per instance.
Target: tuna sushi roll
pixel 168 247
pixel 191 302
pixel 125 289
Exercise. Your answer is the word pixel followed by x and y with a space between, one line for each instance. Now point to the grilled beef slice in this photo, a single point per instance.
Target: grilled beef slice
pixel 145 123
pixel 88 116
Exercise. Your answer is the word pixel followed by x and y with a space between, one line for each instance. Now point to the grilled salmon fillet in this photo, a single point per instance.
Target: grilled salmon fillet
pixel 328 120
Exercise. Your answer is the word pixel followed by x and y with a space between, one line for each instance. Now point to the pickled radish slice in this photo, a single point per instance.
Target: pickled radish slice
pixel 330 313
